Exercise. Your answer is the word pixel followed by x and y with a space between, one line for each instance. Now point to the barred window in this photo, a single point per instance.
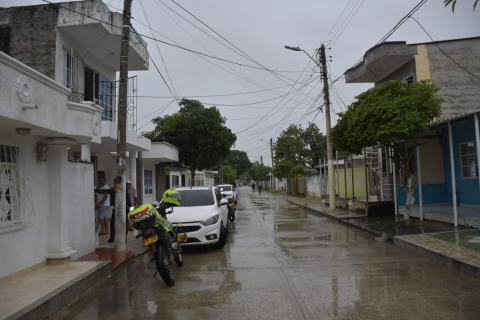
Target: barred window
pixel 10 187
pixel 468 160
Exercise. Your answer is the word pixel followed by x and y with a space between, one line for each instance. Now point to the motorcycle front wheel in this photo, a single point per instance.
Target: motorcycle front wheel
pixel 164 264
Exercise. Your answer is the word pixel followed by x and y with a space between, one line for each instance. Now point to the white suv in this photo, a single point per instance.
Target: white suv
pixel 202 215
pixel 227 190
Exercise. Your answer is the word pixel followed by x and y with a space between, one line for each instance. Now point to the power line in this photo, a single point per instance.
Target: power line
pixel 172 44
pixel 347 22
pixel 158 49
pixel 229 42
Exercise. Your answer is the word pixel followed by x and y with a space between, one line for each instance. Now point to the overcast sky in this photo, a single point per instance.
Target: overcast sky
pixel 262 28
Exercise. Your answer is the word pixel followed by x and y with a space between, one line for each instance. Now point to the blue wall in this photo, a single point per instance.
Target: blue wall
pixel 468 191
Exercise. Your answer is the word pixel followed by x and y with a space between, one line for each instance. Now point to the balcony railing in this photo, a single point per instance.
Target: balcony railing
pixel 106 96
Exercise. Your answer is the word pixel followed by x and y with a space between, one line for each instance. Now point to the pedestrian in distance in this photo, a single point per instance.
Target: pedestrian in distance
pixel 253 186
pixel 260 189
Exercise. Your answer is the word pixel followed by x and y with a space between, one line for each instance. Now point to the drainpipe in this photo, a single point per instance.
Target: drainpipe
pixel 419 178
pixel 452 170
pixel 477 144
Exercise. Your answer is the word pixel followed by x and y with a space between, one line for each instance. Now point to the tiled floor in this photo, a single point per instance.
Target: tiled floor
pixel 453 245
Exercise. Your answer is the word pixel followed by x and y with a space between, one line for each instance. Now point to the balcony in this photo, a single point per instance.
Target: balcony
pixel 31 100
pixel 379 61
pixel 86 33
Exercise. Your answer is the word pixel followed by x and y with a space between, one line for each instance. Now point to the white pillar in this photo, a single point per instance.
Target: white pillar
pixel 58 218
pixel 132 167
pixel 85 152
pixel 419 179
pixel 477 144
pixel 452 170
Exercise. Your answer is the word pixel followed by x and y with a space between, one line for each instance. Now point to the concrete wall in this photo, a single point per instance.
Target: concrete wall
pixel 28 246
pixel 459 90
pixel 79 199
pixel 35 49
pixel 403 72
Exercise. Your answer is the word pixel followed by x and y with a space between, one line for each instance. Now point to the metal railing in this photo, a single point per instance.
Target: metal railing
pixel 10 187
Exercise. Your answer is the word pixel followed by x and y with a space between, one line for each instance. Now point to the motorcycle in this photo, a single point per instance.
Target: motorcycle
pixel 160 237
pixel 232 207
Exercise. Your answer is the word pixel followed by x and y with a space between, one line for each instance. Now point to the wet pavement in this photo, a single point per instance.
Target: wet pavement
pixel 283 262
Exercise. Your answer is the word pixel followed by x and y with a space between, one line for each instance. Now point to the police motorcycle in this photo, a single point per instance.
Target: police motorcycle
pixel 159 235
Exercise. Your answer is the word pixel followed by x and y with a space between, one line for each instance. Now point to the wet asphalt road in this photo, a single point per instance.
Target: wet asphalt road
pixel 282 262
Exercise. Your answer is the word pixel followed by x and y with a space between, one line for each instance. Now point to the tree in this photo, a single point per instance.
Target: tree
pixel 454 2
pixel 392 114
pixel 199 133
pixel 298 146
pixel 228 173
pixel 315 144
pixel 239 161
pixel 259 172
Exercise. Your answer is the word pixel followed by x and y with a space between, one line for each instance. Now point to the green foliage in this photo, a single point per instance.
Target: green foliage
pixel 259 172
pixel 298 146
pixel 297 170
pixel 454 2
pixel 199 133
pixel 238 160
pixel 228 173
pixel 390 112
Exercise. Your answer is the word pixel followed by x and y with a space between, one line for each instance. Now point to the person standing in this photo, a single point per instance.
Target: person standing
pixel 131 199
pixel 259 189
pixel 253 186
pixel 102 206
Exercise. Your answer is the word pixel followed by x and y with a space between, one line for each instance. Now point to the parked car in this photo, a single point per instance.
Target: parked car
pixel 227 190
pixel 202 215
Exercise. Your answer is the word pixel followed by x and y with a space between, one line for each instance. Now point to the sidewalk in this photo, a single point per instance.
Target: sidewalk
pixel 458 247
pixel 41 291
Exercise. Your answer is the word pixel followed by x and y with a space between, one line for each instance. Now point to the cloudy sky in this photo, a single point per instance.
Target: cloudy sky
pixel 259 104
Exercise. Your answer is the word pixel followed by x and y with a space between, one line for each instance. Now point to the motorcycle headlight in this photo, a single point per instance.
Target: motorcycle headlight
pixel 210 221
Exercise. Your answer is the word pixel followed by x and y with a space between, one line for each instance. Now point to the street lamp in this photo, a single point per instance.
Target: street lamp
pixel 271 155
pixel 323 66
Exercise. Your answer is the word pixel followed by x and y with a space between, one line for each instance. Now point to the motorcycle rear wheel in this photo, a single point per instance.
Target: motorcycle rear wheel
pixel 164 264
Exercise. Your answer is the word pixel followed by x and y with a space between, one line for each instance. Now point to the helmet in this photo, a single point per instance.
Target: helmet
pixel 171 198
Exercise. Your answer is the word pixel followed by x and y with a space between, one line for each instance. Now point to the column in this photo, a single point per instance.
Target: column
pixel 477 145
pixel 419 179
pixel 452 171
pixel 58 219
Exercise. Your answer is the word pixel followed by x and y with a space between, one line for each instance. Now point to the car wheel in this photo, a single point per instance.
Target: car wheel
pixel 223 237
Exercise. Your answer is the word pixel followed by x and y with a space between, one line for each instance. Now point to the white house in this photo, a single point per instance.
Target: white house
pixel 58 127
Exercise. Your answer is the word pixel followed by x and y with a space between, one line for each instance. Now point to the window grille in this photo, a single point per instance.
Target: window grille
pixel 10 188
pixel 468 160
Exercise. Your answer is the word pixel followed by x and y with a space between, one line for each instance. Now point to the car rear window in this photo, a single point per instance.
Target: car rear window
pixel 225 188
pixel 193 198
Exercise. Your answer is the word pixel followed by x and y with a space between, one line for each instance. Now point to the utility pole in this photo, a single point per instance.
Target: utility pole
pixel 120 196
pixel 271 155
pixel 326 97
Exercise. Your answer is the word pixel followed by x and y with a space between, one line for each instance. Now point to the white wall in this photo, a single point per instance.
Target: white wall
pixel 79 198
pixel 28 246
pixel 20 249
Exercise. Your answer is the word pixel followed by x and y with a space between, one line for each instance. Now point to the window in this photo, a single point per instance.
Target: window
pixel 468 160
pixel 68 76
pixel 175 181
pixel 148 181
pixel 10 187
pixel 193 198
pixel 99 89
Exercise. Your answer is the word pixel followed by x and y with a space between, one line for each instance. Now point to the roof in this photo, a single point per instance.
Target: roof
pixel 452 117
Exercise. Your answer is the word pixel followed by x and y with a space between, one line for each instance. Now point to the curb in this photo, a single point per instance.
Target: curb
pixel 340 220
pixel 420 250
pixel 48 305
